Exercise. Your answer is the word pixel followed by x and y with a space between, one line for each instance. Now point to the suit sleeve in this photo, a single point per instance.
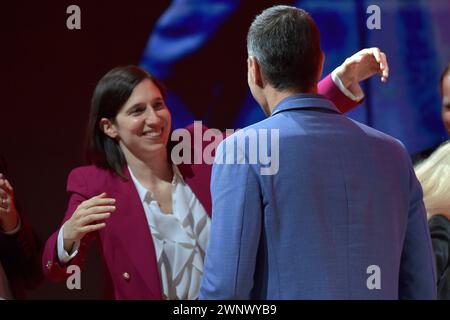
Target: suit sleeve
pixel 235 231
pixel 329 89
pixel 77 189
pixel 417 273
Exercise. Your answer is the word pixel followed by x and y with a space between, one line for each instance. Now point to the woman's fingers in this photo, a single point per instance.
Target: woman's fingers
pixel 97 209
pixel 93 227
pixel 99 200
pixel 9 186
pixel 94 217
pixel 376 53
pixel 4 202
pixel 383 65
pixel 3 184
pixel 89 212
pixel 88 203
pixel 384 68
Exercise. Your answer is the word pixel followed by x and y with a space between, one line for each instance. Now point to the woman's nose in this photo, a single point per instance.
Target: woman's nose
pixel 151 117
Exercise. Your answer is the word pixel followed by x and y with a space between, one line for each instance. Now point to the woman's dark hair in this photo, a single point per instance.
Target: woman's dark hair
pixel 110 94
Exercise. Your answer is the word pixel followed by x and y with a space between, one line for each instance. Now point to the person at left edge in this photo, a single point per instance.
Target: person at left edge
pixel 19 247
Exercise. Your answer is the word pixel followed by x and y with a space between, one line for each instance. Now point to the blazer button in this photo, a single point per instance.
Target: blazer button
pixel 49 265
pixel 126 276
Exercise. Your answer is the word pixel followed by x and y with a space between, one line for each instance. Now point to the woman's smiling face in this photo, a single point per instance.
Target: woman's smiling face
pixel 142 125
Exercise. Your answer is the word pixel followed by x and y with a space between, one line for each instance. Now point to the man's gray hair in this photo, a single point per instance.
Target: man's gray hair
pixel 286 42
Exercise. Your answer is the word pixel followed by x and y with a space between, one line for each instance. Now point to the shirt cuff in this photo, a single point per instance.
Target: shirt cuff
pixel 15 230
pixel 338 82
pixel 63 255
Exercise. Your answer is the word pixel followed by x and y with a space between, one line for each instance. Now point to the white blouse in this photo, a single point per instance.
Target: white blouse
pixel 180 238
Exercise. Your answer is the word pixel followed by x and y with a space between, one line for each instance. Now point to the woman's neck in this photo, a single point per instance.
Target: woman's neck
pixel 151 171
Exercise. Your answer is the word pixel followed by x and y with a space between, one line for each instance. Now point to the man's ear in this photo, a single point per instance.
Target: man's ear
pixel 255 71
pixel 108 128
pixel 321 64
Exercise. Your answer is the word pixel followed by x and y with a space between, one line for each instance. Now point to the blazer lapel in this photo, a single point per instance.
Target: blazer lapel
pixel 137 235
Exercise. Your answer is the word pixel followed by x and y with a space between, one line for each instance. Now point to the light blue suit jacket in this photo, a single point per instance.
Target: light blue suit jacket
pixel 343 218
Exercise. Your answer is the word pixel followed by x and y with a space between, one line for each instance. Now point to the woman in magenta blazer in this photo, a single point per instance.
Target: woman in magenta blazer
pixel 151 217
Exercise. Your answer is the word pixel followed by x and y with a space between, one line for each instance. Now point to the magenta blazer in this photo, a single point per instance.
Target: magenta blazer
pixel 126 242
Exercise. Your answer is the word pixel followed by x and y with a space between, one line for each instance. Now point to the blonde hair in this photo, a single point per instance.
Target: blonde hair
pixel 434 176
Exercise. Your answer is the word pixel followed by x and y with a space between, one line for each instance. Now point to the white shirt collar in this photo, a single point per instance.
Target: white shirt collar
pixel 144 192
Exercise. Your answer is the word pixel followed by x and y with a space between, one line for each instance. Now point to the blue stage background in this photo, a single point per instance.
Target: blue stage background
pixel 198 49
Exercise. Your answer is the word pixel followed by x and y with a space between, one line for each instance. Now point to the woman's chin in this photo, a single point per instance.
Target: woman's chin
pixel 155 148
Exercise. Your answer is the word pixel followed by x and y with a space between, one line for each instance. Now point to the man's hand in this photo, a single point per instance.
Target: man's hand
pixel 362 65
pixel 9 217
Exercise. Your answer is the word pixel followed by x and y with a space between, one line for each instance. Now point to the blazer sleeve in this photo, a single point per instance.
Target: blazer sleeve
pixel 235 231
pixel 20 256
pixel 417 278
pixel 440 237
pixel 329 89
pixel 77 188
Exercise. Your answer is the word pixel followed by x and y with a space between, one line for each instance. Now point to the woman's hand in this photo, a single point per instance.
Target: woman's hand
pixel 86 218
pixel 9 217
pixel 362 65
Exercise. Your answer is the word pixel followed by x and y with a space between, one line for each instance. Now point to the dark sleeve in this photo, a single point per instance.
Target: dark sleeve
pixel 20 253
pixel 20 256
pixel 440 238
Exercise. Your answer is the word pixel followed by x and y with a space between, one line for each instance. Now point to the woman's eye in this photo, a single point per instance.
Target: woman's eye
pixel 158 106
pixel 138 110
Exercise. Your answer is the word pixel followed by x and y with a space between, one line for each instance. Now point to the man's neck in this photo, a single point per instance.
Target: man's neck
pixel 274 97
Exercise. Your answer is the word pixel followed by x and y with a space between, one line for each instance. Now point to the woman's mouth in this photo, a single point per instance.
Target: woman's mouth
pixel 152 133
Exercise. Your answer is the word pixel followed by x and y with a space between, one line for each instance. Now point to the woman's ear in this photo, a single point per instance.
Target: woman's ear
pixel 108 128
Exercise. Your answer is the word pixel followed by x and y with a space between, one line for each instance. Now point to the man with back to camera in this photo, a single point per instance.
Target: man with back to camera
pixel 342 217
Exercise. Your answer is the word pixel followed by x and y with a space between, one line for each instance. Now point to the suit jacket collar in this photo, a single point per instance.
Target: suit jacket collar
pixel 305 101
